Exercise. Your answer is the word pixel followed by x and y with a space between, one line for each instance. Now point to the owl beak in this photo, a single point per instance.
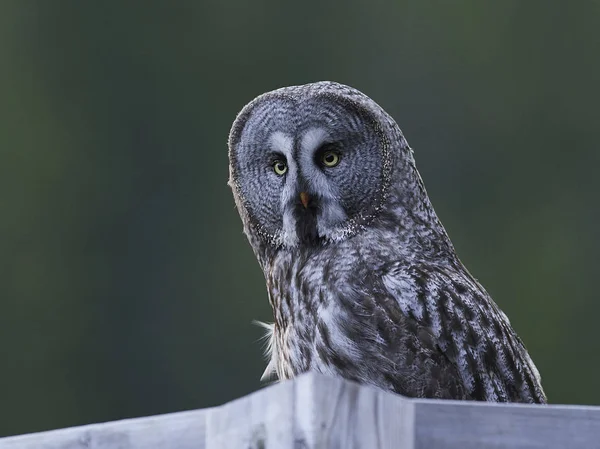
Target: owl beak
pixel 304 199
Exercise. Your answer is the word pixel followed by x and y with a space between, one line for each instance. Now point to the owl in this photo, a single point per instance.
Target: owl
pixel 361 275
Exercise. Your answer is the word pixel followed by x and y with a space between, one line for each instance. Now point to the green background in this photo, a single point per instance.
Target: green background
pixel 126 285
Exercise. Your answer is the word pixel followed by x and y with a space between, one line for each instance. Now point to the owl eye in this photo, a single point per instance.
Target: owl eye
pixel 280 167
pixel 330 158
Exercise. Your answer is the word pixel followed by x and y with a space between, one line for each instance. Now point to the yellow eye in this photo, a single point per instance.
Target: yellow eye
pixel 280 167
pixel 330 158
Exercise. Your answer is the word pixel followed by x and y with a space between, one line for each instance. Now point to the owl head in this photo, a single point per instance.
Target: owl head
pixel 313 164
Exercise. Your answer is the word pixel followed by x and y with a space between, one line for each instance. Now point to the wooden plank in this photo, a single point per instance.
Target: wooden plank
pixel 259 421
pixel 313 412
pixel 183 430
pixel 318 412
pixel 334 414
pixel 475 425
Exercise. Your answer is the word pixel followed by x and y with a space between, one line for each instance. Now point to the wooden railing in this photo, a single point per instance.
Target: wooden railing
pixel 317 412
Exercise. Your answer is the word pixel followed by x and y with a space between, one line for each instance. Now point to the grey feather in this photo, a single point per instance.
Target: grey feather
pixel 362 278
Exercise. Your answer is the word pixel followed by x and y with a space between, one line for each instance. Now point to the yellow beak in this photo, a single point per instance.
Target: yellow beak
pixel 304 199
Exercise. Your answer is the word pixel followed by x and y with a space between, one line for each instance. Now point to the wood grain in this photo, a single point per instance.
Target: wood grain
pixel 318 412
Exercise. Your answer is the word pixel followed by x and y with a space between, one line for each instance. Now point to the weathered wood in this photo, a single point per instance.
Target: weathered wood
pixel 313 412
pixel 470 425
pixel 317 412
pixel 183 430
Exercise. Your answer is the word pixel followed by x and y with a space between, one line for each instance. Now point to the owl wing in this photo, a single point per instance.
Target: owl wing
pixel 464 331
pixel 397 351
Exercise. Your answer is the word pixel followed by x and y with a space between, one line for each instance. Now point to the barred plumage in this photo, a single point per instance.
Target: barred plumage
pixel 363 279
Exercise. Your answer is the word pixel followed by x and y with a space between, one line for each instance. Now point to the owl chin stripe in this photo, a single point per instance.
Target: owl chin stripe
pixel 306 224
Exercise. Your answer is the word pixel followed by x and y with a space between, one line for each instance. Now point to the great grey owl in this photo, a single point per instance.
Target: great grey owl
pixel 362 278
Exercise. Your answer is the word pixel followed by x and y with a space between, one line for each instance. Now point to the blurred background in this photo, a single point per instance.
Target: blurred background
pixel 126 285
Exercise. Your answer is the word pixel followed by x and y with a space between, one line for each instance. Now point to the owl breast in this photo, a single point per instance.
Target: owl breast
pixel 333 317
pixel 307 333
